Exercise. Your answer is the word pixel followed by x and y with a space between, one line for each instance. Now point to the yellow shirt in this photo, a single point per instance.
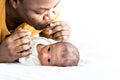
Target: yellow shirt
pixel 3 28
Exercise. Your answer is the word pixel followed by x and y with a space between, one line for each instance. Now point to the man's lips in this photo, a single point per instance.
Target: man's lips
pixel 40 27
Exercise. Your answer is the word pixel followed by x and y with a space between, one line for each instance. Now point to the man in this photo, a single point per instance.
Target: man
pixel 31 15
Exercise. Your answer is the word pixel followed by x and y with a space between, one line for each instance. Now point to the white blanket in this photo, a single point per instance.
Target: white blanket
pixel 84 71
pixel 96 33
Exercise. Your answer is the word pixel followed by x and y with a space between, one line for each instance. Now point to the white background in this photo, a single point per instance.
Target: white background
pixel 95 31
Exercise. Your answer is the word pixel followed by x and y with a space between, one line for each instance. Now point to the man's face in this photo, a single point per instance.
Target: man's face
pixel 37 12
pixel 51 55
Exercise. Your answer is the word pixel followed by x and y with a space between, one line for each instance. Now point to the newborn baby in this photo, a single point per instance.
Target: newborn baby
pixel 47 52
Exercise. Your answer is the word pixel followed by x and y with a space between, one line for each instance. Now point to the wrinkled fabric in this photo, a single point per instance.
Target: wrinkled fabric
pixel 32 59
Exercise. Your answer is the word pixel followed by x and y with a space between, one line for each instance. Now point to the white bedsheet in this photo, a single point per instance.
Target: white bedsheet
pixel 95 31
pixel 87 69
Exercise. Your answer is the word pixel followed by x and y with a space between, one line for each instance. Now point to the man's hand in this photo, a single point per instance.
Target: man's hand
pixel 15 46
pixel 60 31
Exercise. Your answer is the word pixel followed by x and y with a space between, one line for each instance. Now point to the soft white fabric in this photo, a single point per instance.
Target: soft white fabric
pixel 32 59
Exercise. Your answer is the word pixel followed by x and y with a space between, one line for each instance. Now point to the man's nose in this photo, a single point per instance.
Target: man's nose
pixel 49 14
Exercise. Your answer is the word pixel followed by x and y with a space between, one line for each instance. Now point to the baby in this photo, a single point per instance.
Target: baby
pixel 47 52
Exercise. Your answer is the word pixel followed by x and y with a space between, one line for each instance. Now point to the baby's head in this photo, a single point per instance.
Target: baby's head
pixel 59 54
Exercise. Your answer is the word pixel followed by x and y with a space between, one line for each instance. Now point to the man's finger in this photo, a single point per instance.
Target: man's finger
pixel 61 33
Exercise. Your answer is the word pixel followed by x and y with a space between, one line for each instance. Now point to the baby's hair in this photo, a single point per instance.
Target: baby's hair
pixel 71 58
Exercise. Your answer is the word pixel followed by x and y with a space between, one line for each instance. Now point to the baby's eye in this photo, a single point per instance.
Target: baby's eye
pixel 49 49
pixel 49 60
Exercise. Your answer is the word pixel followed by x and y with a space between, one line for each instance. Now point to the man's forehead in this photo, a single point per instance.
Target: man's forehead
pixel 42 3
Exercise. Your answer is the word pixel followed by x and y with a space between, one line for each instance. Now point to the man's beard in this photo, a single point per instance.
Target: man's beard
pixel 40 27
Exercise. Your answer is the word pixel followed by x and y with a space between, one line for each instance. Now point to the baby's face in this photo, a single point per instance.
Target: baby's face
pixel 50 55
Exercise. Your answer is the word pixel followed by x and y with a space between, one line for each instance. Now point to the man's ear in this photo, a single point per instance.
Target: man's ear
pixel 14 3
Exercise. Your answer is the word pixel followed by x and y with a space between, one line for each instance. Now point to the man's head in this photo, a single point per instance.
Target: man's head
pixel 59 54
pixel 35 12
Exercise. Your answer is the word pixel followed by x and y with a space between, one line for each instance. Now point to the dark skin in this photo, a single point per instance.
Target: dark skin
pixel 37 13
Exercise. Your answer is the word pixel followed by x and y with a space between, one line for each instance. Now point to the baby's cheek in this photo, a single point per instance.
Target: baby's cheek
pixel 44 60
